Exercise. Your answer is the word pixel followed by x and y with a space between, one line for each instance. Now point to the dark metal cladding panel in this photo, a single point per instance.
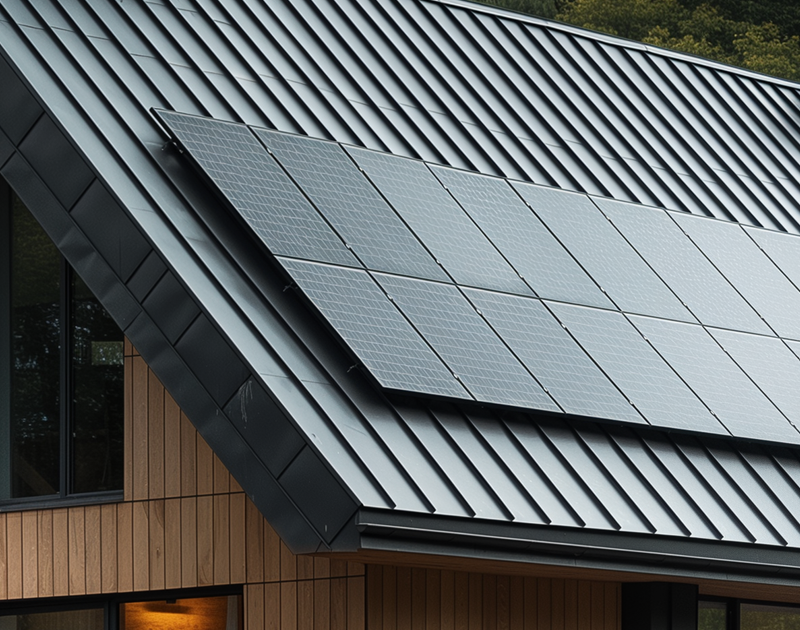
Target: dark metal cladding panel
pixel 258 189
pixel 754 275
pixel 553 356
pixel 700 286
pixel 783 249
pixel 522 238
pixel 6 148
pixel 439 222
pixel 771 365
pixel 462 338
pixel 374 329
pixel 146 276
pixel 629 361
pixel 352 205
pixel 171 307
pixel 19 110
pixel 56 161
pixel 718 381
pixel 602 251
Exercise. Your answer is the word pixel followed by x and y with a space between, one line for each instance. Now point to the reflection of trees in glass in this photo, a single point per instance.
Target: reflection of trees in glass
pixel 712 617
pixel 763 617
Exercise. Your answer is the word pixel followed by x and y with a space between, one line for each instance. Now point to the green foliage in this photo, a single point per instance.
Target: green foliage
pixel 542 8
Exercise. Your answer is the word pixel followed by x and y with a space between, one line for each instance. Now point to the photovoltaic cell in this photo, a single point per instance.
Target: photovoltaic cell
pixel 548 351
pixel 439 222
pixel 632 364
pixel 466 343
pixel 258 189
pixel 773 367
pixel 602 251
pixel 374 329
pixel 657 238
pixel 782 248
pixel 717 380
pixel 754 275
pixel 522 238
pixel 352 205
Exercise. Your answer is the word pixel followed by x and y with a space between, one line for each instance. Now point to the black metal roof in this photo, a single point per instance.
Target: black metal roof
pixel 331 460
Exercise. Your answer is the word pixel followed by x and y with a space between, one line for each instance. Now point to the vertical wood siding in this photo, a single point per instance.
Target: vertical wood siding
pixel 185 522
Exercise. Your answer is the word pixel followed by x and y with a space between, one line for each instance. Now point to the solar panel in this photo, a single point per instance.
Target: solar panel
pixel 782 248
pixel 522 238
pixel 717 380
pixel 439 222
pixel 632 364
pixel 657 238
pixel 602 251
pixel 753 274
pixel 352 205
pixel 770 363
pixel 467 344
pixel 374 329
pixel 258 189
pixel 548 351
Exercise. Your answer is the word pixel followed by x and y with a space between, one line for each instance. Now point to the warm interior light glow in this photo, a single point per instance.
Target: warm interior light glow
pixel 203 613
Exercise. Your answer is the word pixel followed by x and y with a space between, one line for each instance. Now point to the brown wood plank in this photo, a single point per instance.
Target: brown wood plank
pixel 235 487
pixel 77 551
pixel 172 543
pixel 45 542
pixel 222 535
pixel 475 620
pixel 3 558
pixel 60 552
pixel 338 567
pixel 222 478
pixel 356 586
pixel 288 563
pixel 155 431
pixel 172 447
pixel 516 599
pixel 447 599
pixel 127 347
pixel 584 605
pixel 254 536
pixel 108 548
pixel 238 551
pixel 157 538
pixel 322 567
pixel 305 567
pixel 489 602
pixel 544 602
pixel 433 600
pixel 418 594
pixel 30 559
pixel 338 604
pixel 557 604
pixel 288 605
pixel 127 441
pixel 389 598
pixel 189 542
pixel 14 551
pixel 503 603
pixel 598 605
pixel 305 605
pixel 92 534
pixel 140 429
pixel 124 546
pixel 611 612
pixel 322 604
pixel 356 568
pixel 272 606
pixel 188 457
pixel 205 467
pixel 571 604
pixel 141 546
pixel 205 540
pixel 403 598
pixel 531 608
pixel 254 607
pixel 374 597
pixel 272 553
pixel 461 593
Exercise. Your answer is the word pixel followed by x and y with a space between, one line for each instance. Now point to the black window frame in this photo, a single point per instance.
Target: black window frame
pixel 733 607
pixel 65 497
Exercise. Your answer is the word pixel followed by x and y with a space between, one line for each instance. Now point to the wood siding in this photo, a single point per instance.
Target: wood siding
pixel 185 522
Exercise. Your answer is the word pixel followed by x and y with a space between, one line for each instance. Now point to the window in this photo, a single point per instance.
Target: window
pixel 61 371
pixel 738 615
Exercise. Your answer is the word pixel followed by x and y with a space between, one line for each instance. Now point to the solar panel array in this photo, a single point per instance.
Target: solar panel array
pixel 469 287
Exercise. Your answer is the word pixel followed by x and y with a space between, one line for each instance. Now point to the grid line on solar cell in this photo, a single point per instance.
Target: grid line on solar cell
pixel 642 375
pixel 374 329
pixel 748 269
pixel 439 222
pixel 347 199
pixel 258 189
pixel 522 238
pixel 447 320
pixel 770 363
pixel 548 351
pixel 716 379
pixel 782 248
pixel 602 251
pixel 682 266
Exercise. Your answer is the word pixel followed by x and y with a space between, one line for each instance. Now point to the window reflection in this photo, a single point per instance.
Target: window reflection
pixel 204 613
pixel 712 616
pixel 765 617
pixel 63 620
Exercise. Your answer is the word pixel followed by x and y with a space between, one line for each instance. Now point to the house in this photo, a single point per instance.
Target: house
pixel 383 314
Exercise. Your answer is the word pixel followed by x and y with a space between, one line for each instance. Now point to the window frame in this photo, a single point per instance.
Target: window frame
pixel 64 497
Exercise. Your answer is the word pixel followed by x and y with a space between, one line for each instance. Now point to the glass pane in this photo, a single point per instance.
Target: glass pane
pixel 712 616
pixel 205 613
pixel 763 617
pixel 97 395
pixel 63 620
pixel 35 348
